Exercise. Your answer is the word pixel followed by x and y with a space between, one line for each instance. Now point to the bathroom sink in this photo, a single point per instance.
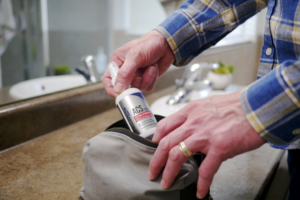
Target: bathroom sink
pixel 45 85
pixel 160 106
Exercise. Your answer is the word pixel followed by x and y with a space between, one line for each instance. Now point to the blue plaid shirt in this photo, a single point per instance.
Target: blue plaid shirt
pixel 272 103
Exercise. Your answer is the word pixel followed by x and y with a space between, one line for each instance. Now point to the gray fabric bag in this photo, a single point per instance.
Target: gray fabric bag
pixel 116 163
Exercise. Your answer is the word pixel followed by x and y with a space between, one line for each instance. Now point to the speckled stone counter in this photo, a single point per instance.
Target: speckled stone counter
pixel 50 166
pixel 25 119
pixel 246 176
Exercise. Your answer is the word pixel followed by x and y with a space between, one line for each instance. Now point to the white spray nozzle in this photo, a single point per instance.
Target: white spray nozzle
pixel 113 70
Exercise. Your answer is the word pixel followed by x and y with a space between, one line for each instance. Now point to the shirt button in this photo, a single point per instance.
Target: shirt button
pixel 268 51
pixel 296 131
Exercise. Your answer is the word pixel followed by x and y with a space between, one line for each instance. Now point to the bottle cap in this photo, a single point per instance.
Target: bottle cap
pixel 113 70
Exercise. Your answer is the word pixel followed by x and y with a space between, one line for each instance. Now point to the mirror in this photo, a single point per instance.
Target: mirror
pixel 52 45
pixel 43 42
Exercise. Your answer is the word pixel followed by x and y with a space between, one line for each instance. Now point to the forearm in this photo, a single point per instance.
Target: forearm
pixel 272 105
pixel 198 25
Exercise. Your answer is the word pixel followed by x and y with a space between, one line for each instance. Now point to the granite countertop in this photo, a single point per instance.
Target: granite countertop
pixel 50 166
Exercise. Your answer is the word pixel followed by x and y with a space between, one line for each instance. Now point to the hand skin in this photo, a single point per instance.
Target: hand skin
pixel 141 62
pixel 216 126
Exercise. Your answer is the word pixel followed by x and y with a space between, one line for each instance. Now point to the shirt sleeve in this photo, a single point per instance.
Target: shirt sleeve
pixel 200 24
pixel 272 105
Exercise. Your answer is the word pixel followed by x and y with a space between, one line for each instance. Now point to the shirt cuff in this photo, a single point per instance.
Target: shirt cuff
pixel 271 105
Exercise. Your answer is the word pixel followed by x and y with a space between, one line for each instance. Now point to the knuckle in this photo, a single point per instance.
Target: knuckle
pixel 115 55
pixel 174 155
pixel 124 73
pixel 222 145
pixel 203 173
pixel 160 126
pixel 118 54
pixel 165 145
pixel 182 115
pixel 186 130
pixel 192 104
pixel 190 108
pixel 135 53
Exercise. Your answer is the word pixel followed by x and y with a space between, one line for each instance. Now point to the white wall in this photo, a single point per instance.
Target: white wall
pixel 76 28
pixel 137 17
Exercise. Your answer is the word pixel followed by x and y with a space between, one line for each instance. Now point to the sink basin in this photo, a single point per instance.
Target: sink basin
pixel 160 107
pixel 45 85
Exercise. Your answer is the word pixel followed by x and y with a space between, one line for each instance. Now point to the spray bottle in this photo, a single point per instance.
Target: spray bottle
pixel 133 107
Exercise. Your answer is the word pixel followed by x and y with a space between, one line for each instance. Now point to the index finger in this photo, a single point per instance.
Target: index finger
pixel 133 61
pixel 169 124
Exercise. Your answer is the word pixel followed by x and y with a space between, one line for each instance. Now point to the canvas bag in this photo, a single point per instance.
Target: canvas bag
pixel 116 164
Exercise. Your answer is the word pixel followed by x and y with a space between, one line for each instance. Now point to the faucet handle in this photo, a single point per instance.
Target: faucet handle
pixel 203 65
pixel 179 82
pixel 89 63
pixel 84 74
pixel 194 71
pixel 182 93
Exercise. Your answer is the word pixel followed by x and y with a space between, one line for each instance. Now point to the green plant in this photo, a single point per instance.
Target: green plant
pixel 61 69
pixel 224 69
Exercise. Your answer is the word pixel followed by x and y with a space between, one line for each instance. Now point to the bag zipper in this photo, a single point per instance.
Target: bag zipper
pixel 142 140
pixel 134 136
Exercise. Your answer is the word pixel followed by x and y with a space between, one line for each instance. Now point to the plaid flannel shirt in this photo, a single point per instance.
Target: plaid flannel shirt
pixel 272 103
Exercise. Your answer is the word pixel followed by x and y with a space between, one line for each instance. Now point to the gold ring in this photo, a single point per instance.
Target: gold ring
pixel 186 152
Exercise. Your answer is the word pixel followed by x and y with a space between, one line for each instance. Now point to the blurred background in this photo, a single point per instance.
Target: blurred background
pixel 45 38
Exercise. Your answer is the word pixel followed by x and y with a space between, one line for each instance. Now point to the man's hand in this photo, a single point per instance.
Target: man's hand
pixel 216 126
pixel 141 62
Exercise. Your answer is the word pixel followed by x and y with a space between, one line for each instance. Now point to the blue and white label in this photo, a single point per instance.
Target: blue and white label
pixel 137 113
pixel 126 113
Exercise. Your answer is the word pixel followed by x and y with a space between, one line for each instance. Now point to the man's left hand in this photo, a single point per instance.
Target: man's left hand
pixel 216 126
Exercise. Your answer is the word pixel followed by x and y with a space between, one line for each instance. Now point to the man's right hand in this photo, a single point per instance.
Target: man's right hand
pixel 141 62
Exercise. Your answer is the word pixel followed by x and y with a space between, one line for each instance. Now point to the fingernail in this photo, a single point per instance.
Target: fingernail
pixel 163 184
pixel 199 196
pixel 138 81
pixel 152 71
pixel 119 87
pixel 150 176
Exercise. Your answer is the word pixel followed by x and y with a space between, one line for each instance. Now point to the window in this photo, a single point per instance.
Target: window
pixel 136 17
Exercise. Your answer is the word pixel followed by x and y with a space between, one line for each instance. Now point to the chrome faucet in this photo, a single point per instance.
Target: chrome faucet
pixel 89 64
pixel 189 82
pixel 89 71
